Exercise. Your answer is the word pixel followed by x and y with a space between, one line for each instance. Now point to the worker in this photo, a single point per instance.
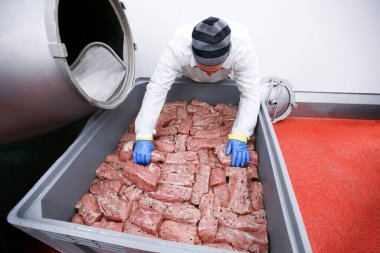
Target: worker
pixel 208 52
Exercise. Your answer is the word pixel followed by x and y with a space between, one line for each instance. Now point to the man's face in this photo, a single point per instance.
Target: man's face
pixel 210 70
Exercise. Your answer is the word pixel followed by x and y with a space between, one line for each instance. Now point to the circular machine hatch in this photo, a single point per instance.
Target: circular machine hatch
pixel 100 51
pixel 278 97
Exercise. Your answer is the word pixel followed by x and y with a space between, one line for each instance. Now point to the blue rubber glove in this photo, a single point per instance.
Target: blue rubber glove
pixel 141 152
pixel 240 153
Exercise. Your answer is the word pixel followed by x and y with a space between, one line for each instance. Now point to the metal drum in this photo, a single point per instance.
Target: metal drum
pixel 61 60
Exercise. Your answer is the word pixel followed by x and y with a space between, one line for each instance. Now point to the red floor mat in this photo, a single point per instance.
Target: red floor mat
pixel 334 166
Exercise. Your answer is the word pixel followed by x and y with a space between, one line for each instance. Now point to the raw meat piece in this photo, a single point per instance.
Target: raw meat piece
pixel 254 158
pixel 241 240
pixel 218 176
pixel 247 222
pixel 204 104
pixel 251 146
pixel 184 126
pixel 77 218
pixel 209 123
pixel 88 208
pixel 129 228
pixel 131 193
pixel 182 157
pixel 129 136
pixel 186 168
pixel 202 116
pixel 220 152
pixel 210 134
pixel 131 127
pixel 182 212
pixel 106 171
pixel 256 195
pixel 144 177
pixel 226 109
pixel 201 185
pixel 165 143
pixel 111 225
pixel 203 157
pixel 114 208
pixel 179 232
pixel 170 130
pixel 99 186
pixel 149 221
pixel 194 109
pixel 126 151
pixel 182 113
pixel 221 192
pixel 239 201
pixel 171 193
pixel 176 104
pixel 176 178
pixel 166 118
pixel 180 143
pixel 214 161
pixel 222 245
pixel 252 173
pixel 152 204
pixel 261 239
pixel 195 144
pixel 157 156
pixel 208 225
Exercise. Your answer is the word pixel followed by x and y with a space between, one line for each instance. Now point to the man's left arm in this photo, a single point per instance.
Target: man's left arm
pixel 246 74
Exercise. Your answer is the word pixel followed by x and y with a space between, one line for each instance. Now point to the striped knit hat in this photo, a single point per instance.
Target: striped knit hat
pixel 211 41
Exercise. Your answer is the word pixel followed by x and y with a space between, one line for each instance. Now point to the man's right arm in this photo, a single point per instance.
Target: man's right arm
pixel 154 98
pixel 162 79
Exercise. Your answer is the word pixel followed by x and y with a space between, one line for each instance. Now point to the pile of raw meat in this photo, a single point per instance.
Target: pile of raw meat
pixel 189 193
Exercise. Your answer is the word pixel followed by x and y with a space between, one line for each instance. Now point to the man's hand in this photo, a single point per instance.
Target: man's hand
pixel 141 152
pixel 240 153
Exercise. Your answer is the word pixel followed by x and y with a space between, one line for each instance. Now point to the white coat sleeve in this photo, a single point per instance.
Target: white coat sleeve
pixel 248 82
pixel 160 83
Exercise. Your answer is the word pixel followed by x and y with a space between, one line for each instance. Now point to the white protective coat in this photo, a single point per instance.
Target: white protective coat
pixel 177 58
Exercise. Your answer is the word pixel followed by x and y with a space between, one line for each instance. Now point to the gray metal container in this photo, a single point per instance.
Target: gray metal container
pixel 57 57
pixel 46 210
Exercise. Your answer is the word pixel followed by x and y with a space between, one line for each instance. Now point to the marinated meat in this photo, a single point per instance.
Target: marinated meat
pixel 149 221
pixel 189 193
pixel 180 142
pixel 129 228
pixel 221 192
pixel 113 207
pixel 239 200
pixel 201 185
pixel 186 168
pixel 100 186
pixel 88 208
pixel 256 195
pixel 77 218
pixel 208 225
pixel 111 225
pixel 182 212
pixel 248 222
pixel 144 177
pixel 179 232
pixel 157 156
pixel 218 176
pixel 152 204
pixel 126 151
pixel 183 179
pixel 165 145
pixel 131 193
pixel 171 193
pixel 182 157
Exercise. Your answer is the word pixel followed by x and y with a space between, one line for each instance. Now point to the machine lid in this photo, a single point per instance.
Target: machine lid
pixel 99 50
pixel 278 97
